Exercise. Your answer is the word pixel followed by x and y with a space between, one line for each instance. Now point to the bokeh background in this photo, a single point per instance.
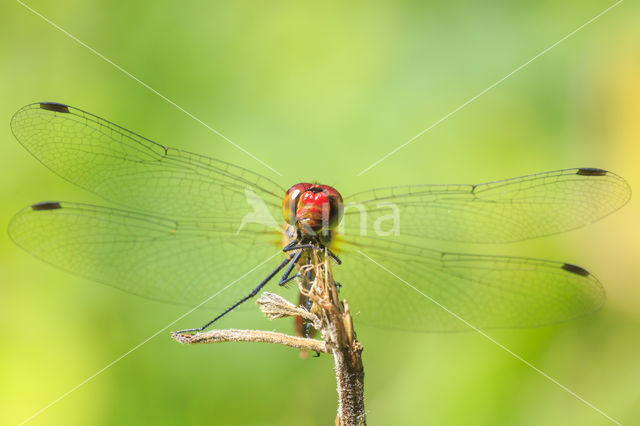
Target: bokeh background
pixel 319 93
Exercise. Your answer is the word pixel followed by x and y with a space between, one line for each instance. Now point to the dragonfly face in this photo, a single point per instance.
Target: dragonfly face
pixel 312 208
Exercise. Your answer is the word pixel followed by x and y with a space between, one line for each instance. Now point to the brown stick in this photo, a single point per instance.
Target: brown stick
pixel 337 331
pixel 219 336
pixel 349 375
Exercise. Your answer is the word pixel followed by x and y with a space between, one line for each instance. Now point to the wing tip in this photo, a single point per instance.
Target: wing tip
pixel 623 186
pixel 575 269
pixel 591 171
pixel 46 205
pixel 54 106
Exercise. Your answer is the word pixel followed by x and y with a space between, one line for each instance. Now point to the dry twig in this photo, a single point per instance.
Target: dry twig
pixel 231 335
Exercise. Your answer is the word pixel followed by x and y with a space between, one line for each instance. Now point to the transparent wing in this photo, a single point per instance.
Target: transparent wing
pixel 494 212
pixel 181 262
pixel 128 169
pixel 485 291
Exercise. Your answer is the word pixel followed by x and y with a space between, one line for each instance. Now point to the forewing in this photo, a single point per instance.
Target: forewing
pixel 494 212
pixel 181 262
pixel 406 287
pixel 133 171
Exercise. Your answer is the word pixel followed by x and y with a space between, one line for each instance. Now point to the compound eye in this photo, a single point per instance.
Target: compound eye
pixel 290 201
pixel 335 204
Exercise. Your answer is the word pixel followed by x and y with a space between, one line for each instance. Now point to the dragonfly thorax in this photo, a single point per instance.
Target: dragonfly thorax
pixel 312 208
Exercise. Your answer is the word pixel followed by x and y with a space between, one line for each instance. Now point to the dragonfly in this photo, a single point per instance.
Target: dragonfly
pixel 188 229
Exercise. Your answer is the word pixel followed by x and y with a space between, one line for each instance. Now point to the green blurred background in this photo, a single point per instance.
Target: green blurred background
pixel 319 93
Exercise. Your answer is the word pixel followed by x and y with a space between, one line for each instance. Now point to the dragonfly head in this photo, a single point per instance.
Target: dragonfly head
pixel 312 207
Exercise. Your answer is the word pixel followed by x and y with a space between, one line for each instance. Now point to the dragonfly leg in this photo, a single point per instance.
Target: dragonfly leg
pixel 282 283
pixel 244 299
pixel 291 244
pixel 285 277
pixel 331 254
pixel 307 325
pixel 291 247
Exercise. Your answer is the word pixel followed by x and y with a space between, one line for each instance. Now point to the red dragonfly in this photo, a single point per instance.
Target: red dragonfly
pixel 186 227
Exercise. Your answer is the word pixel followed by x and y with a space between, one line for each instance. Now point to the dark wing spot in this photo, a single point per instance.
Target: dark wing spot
pixel 54 106
pixel 587 171
pixel 575 269
pixel 46 205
